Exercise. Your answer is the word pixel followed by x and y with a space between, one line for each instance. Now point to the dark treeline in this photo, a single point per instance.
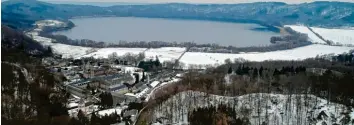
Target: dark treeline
pixel 30 94
pixel 11 40
pixel 81 119
pixel 331 80
pixel 221 115
pixel 66 26
pixel 106 100
pixel 131 44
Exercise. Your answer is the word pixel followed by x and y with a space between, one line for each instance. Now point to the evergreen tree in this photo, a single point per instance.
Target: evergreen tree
pixel 82 118
pixel 276 72
pixel 245 70
pixel 74 121
pixel 239 70
pixel 109 100
pixel 255 72
pixel 230 70
pixel 88 87
pixel 261 71
pixel 144 77
pixel 94 119
pixel 157 62
pixel 50 50
pixel 103 99
pixel 116 117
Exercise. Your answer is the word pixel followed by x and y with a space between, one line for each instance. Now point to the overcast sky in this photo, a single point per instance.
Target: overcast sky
pixel 195 1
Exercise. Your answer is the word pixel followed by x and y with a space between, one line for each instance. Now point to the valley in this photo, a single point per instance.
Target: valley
pixel 264 63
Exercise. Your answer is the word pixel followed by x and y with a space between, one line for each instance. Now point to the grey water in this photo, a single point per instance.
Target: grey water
pixel 115 29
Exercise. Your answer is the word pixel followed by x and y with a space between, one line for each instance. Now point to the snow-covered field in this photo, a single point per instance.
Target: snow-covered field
pixel 209 59
pixel 342 36
pixel 273 109
pixel 337 36
pixel 104 52
pixel 303 29
pixel 51 23
pixel 165 53
pixel 311 51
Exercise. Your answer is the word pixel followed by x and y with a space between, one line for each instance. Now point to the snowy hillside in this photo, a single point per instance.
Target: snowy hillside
pixel 337 36
pixel 165 53
pixel 310 51
pixel 273 109
pixel 303 29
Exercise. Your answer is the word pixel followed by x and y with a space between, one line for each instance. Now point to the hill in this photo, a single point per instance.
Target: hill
pixel 30 94
pixel 325 14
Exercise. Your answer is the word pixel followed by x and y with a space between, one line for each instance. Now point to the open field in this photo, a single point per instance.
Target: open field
pixel 303 29
pixel 311 51
pixel 337 36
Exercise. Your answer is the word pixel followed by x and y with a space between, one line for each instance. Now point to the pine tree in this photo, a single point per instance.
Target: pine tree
pixel 157 62
pixel 230 70
pixel 109 100
pixel 74 121
pixel 144 77
pixel 261 71
pixel 94 119
pixel 88 87
pixel 50 50
pixel 255 72
pixel 276 72
pixel 82 118
pixel 239 70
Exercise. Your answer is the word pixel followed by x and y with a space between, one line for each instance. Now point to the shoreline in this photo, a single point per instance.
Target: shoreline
pixel 191 58
pixel 261 27
pixel 268 27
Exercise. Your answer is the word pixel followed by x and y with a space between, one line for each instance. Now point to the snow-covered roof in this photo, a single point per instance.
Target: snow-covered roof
pixel 71 105
pixel 154 83
pixel 111 110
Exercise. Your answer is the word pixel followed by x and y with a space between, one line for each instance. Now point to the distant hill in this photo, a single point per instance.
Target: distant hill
pixel 22 13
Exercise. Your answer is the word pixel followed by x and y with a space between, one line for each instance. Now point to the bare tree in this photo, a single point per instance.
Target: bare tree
pixel 112 56
pixel 228 61
pixel 169 64
pixel 141 56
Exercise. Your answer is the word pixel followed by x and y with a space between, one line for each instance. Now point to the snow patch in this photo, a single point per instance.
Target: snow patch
pixel 165 53
pixel 154 83
pixel 111 111
pixel 104 52
pixel 301 53
pixel 303 29
pixel 273 109
pixel 337 36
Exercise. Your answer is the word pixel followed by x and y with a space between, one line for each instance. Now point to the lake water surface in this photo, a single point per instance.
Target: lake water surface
pixel 114 29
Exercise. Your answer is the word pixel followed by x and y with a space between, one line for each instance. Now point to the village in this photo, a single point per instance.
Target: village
pixel 110 86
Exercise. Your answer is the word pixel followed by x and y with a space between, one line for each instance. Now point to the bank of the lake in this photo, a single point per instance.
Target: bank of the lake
pixel 115 29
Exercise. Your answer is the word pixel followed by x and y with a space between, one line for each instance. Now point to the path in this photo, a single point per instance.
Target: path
pixel 319 36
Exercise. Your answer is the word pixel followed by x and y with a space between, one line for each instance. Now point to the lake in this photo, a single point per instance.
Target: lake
pixel 114 29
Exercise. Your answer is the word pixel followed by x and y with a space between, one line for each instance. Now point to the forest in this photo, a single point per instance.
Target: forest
pixel 329 80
